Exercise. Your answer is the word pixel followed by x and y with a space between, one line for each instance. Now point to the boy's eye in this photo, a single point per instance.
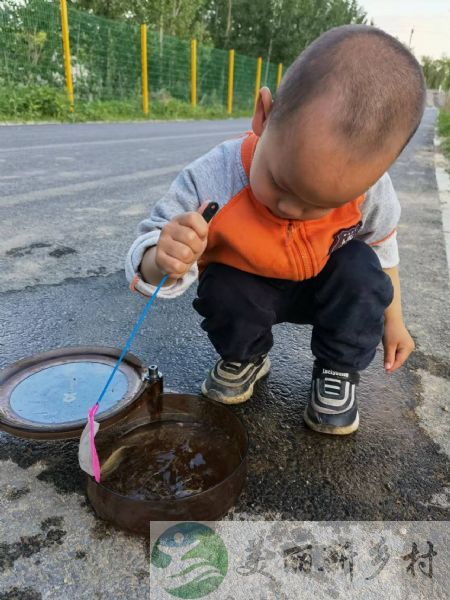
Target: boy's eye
pixel 275 183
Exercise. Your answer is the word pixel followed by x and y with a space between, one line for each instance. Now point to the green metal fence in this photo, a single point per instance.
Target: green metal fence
pixel 105 58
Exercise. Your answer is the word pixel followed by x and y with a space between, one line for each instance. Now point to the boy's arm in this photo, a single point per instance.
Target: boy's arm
pixel 181 197
pixel 398 343
pixel 381 213
pixel 394 310
pixel 215 176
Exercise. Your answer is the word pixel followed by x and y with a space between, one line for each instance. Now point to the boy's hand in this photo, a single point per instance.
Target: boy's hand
pixel 181 243
pixel 398 344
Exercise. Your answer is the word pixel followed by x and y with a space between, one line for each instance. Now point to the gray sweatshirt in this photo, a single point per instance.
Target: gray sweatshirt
pixel 219 175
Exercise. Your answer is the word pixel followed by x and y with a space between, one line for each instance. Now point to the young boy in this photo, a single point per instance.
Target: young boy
pixel 306 229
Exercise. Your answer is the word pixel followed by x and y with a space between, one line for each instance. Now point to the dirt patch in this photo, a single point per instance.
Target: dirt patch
pixel 432 364
pixel 60 460
pixel 13 493
pixel 25 250
pixel 62 252
pixel 16 593
pixel 29 545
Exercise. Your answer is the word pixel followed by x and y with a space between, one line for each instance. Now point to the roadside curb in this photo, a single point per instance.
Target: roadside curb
pixel 442 167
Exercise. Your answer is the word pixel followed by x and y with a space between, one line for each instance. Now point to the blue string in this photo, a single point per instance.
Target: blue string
pixel 133 333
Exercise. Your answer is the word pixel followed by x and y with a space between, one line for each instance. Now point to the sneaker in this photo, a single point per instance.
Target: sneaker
pixel 332 407
pixel 232 382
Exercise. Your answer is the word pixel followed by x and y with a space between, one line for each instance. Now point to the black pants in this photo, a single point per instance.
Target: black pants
pixel 345 303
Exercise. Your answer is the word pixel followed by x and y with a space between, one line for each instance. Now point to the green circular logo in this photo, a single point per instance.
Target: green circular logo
pixel 190 560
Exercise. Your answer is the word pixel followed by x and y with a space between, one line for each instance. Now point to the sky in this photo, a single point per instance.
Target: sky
pixel 430 20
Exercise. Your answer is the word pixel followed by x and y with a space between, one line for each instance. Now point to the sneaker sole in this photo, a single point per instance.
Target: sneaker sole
pixel 329 428
pixel 218 397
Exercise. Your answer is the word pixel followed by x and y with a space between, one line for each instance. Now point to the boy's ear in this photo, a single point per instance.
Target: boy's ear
pixel 262 110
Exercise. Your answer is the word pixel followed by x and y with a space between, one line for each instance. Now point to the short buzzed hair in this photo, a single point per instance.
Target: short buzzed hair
pixel 378 84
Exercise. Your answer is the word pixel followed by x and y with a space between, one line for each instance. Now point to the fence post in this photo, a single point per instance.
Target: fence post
pixel 230 80
pixel 258 80
pixel 279 74
pixel 66 49
pixel 194 73
pixel 144 74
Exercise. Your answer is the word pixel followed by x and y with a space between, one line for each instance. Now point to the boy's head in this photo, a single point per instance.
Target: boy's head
pixel 344 111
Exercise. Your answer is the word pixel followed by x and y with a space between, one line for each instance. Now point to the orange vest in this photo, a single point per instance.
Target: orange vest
pixel 246 235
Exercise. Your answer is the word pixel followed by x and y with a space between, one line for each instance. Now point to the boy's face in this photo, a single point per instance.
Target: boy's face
pixel 303 170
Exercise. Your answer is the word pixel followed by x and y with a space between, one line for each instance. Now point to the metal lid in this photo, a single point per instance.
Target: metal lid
pixel 48 395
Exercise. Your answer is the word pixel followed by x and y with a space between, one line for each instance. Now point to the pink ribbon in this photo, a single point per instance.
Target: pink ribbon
pixel 94 455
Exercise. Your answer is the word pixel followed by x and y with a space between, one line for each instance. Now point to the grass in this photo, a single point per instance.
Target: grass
pixel 43 103
pixel 444 131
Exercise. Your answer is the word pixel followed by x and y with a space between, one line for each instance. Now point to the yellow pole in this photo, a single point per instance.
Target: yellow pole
pixel 258 80
pixel 194 73
pixel 144 76
pixel 230 80
pixel 66 48
pixel 279 74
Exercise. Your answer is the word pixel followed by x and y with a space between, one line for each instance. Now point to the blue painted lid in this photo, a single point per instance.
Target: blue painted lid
pixel 53 391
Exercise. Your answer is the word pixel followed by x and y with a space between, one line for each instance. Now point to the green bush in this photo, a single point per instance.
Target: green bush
pixel 33 102
pixel 44 103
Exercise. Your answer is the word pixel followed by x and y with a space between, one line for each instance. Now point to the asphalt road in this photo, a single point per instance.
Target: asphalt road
pixel 71 197
pixel 78 191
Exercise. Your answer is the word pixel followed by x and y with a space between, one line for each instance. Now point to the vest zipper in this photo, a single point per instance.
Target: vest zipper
pixel 309 268
pixel 291 240
pixel 289 233
pixel 305 265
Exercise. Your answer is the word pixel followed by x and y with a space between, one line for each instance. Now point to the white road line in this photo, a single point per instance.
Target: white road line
pixel 158 138
pixel 46 194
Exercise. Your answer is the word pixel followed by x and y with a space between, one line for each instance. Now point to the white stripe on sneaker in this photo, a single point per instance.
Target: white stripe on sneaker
pixel 332 402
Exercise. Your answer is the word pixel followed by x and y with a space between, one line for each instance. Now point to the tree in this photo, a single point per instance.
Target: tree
pixel 282 30
pixel 278 28
pixel 172 17
pixel 436 72
pixel 111 9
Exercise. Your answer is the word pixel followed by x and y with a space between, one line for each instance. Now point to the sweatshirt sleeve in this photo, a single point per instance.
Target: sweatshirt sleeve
pixel 380 216
pixel 212 177
pixel 182 196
